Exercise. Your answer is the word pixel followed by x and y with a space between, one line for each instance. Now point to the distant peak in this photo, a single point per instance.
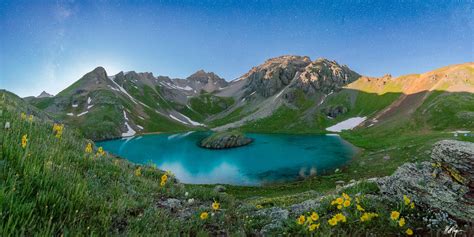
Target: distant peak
pixel 99 69
pixel 44 94
pixel 201 74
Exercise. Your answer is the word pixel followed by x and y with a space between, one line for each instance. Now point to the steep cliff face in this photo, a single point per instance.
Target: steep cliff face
pixel 324 76
pixel 283 75
pixel 270 77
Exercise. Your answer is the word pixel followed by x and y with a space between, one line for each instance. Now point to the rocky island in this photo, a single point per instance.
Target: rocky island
pixel 225 140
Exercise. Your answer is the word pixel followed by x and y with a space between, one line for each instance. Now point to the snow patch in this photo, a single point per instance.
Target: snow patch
pixel 347 124
pixel 140 127
pixel 125 115
pixel 123 90
pixel 461 131
pixel 70 114
pixel 191 121
pixel 177 119
pixel 187 88
pixel 140 117
pixel 89 100
pixel 75 105
pixel 79 115
pixel 278 94
pixel 129 132
pixel 113 88
pixel 90 106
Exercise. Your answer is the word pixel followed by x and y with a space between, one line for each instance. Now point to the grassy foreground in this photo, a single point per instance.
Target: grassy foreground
pixel 52 184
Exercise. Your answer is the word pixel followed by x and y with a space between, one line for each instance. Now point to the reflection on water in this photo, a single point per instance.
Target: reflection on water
pixel 270 158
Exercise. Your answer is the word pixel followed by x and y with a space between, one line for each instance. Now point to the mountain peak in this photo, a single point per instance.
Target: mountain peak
pixel 99 69
pixel 287 58
pixel 44 94
pixel 201 73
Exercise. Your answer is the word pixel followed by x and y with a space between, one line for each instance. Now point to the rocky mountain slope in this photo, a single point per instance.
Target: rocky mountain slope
pixel 284 94
pixel 104 106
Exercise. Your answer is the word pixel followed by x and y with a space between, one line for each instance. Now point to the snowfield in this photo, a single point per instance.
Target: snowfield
pixel 347 124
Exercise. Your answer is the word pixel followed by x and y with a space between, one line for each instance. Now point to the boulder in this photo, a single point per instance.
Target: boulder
pixel 300 208
pixel 457 158
pixel 219 189
pixel 277 217
pixel 443 184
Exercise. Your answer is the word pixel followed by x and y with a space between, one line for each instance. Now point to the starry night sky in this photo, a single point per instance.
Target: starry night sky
pixel 47 45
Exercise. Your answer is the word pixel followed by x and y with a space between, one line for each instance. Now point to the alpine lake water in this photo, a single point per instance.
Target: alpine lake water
pixel 270 158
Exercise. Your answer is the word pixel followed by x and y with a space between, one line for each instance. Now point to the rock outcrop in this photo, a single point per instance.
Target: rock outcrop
pixel 324 76
pixel 273 75
pixel 224 140
pixel 444 184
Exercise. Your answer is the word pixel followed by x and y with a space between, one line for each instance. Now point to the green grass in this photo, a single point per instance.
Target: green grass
pixel 231 117
pixel 208 104
pixel 53 187
pixel 42 103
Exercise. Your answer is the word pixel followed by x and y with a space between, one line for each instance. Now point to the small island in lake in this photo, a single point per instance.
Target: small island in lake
pixel 224 140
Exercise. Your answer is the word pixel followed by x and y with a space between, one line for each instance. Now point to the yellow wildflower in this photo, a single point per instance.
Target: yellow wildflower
pixel 259 206
pixel 162 183
pixel 301 220
pixel 401 222
pixel 58 129
pixel 312 227
pixel 339 207
pixel 360 208
pixel 332 221
pixel 24 141
pixel 340 217
pixel 339 201
pixel 215 205
pixel 347 197
pixel 368 216
pixel 314 216
pixel 409 231
pixel 138 171
pixel 204 215
pixel 30 118
pixel 23 116
pixel 164 178
pixel 395 215
pixel 347 203
pixel 406 199
pixel 89 148
pixel 412 205
pixel 100 151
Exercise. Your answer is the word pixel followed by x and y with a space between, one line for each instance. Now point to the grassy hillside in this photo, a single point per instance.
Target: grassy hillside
pixel 52 186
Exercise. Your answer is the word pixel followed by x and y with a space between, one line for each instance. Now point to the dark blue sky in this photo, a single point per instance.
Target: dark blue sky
pixel 47 45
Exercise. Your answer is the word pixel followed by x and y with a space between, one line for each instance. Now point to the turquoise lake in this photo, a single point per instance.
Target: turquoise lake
pixel 270 158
